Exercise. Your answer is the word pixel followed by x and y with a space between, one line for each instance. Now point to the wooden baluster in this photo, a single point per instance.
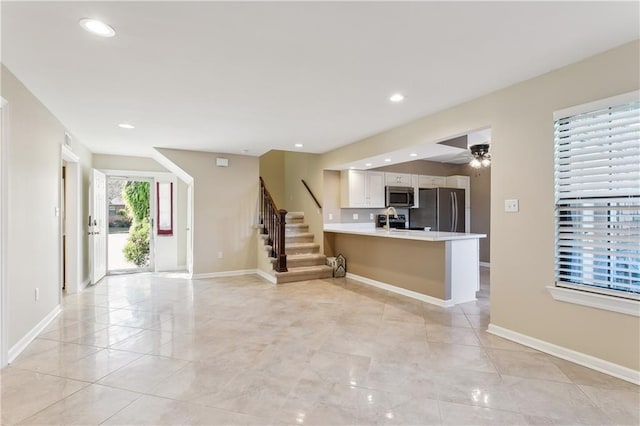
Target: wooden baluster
pixel 282 255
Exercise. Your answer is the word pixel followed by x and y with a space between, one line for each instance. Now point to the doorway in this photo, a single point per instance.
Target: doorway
pixel 70 227
pixel 130 223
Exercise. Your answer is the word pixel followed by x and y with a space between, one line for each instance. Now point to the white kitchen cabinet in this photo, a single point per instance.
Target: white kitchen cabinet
pixel 425 181
pixel 463 182
pixel 397 179
pixel 361 189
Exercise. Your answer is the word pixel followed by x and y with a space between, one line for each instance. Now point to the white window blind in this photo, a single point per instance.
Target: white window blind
pixel 597 189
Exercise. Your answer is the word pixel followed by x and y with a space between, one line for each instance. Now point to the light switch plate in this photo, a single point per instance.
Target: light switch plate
pixel 330 216
pixel 511 206
pixel 355 216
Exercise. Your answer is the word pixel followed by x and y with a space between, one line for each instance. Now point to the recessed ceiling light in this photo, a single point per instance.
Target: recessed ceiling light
pixel 368 164
pixel 397 97
pixel 298 145
pixel 352 168
pixel 413 154
pixel 387 160
pixel 97 27
pixel 126 126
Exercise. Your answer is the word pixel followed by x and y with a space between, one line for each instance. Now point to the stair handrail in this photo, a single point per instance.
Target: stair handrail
pixel 311 193
pixel 273 221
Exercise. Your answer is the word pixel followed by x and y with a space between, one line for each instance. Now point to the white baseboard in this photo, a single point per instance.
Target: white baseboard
pixel 402 291
pixel 485 264
pixel 266 276
pixel 22 344
pixel 585 360
pixel 223 274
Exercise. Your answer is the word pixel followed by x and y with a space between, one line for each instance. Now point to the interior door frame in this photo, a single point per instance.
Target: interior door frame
pixel 4 197
pixel 73 213
pixel 154 176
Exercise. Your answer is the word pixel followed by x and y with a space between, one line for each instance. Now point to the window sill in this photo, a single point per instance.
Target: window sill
pixel 594 300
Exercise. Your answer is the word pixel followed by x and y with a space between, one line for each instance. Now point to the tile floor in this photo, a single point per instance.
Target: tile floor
pixel 145 349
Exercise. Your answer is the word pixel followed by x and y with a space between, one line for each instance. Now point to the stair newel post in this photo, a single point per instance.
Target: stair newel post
pixel 281 255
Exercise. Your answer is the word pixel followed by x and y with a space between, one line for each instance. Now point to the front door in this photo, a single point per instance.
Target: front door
pixel 98 226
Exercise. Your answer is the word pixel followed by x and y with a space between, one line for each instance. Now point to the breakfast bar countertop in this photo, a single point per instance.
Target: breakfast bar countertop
pixel 369 229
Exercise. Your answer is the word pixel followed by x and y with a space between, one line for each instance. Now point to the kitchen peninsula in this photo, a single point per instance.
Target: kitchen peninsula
pixel 436 267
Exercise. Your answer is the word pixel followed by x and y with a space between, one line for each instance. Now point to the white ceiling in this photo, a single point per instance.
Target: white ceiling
pixel 230 77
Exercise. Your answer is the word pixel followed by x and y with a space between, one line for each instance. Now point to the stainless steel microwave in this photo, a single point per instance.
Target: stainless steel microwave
pixel 399 196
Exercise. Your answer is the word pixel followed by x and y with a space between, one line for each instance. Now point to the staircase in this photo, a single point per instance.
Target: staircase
pixel 304 261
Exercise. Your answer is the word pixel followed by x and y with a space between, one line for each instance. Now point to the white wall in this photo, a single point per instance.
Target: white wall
pixel 225 203
pixel 33 251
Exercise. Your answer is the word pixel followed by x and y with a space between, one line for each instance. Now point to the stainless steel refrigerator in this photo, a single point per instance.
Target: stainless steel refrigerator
pixel 441 209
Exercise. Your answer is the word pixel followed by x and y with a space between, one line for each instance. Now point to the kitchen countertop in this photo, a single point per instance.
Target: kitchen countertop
pixel 369 229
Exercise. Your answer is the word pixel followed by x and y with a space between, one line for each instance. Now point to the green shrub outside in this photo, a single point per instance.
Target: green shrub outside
pixel 136 199
pixel 137 248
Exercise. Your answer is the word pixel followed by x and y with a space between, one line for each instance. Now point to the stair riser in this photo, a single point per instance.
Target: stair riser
pixel 296 263
pixel 292 220
pixel 305 277
pixel 302 250
pixel 294 227
pixel 298 239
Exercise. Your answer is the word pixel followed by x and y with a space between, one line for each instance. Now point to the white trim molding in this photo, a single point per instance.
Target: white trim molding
pixel 22 344
pixel 4 226
pixel 223 274
pixel 595 300
pixel 402 291
pixel 485 264
pixel 272 279
pixel 580 358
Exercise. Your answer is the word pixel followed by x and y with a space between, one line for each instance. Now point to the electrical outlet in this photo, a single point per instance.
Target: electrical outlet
pixel 355 216
pixel 330 216
pixel 56 211
pixel 511 206
pixel 220 256
pixel 37 294
pixel 370 216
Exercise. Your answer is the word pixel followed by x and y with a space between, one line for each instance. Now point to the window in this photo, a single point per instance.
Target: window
pixel 164 192
pixel 597 196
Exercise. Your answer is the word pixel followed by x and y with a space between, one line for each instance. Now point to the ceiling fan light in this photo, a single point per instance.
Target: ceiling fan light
pixel 475 163
pixel 486 162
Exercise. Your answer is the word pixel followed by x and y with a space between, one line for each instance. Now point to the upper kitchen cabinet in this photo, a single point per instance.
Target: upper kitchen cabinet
pixel 361 189
pixel 397 179
pixel 431 181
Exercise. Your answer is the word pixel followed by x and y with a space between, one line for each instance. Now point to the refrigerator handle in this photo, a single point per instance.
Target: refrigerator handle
pixel 455 212
pixel 452 217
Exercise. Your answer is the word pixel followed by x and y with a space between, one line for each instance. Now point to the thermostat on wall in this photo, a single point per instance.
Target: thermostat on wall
pixel 222 162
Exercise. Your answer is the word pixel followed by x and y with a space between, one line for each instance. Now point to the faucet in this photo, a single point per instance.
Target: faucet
pixel 387 212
